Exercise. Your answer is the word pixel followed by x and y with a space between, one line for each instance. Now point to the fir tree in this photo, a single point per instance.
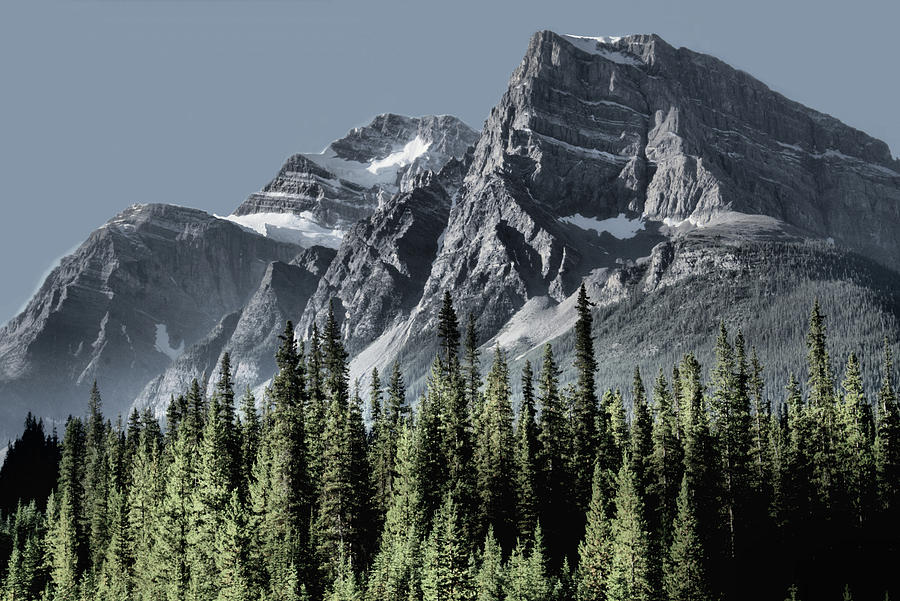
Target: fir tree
pixel 887 440
pixel 448 570
pixel 668 457
pixel 632 571
pixel 594 551
pixel 527 572
pixel 490 583
pixel 494 459
pixel 584 428
pixel 527 454
pixel 686 576
pixel 555 479
pixel 395 574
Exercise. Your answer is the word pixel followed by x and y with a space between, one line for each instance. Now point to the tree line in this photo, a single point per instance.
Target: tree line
pixel 697 489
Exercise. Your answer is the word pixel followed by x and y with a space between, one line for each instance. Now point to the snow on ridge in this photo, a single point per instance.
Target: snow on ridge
pixel 301 229
pixel 596 46
pixel 401 158
pixel 164 345
pixel 620 227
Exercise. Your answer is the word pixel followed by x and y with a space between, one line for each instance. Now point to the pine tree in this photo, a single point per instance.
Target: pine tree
pixel 395 574
pixel 527 454
pixel 448 570
pixel 315 410
pixel 701 459
pixel 490 583
pixel 527 573
pixel 235 578
pixel 823 415
pixel 144 498
pixel 887 440
pixel 595 550
pixel 431 466
pixel 448 332
pixel 632 571
pixel 494 458
pixel 686 577
pixel 585 414
pixel 555 478
pixel 855 441
pixel 668 457
pixel 216 474
pixel 472 367
pixel 280 491
pixel 615 408
pixel 96 482
pixel 171 522
pixel 251 432
pixel 382 449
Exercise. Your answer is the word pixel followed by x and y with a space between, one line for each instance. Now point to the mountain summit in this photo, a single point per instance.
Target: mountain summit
pixel 679 189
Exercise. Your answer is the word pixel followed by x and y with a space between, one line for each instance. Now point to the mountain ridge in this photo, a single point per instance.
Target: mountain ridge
pixel 599 161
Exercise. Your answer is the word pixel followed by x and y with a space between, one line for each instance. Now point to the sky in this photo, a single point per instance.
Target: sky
pixel 107 103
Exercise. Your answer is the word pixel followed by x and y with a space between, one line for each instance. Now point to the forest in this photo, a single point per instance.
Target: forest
pixel 694 485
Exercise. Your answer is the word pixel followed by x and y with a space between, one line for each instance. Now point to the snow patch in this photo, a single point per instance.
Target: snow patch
pixel 413 150
pixel 299 229
pixel 164 345
pixel 620 227
pixel 596 46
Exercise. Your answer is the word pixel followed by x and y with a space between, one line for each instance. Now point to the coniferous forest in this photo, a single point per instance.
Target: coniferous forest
pixel 696 484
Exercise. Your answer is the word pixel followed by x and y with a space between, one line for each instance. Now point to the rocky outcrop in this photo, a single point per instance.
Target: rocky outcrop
pixel 347 181
pixel 249 336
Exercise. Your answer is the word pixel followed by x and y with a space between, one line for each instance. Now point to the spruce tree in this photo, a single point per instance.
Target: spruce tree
pixel 855 458
pixel 396 570
pixel 686 576
pixel 887 441
pixel 490 583
pixel 527 456
pixel 494 460
pixel 668 456
pixel 594 551
pixel 448 573
pixel 585 414
pixel 632 571
pixel 527 573
pixel 96 481
pixel 553 462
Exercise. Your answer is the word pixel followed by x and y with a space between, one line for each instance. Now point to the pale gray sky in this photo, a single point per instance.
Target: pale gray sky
pixel 104 103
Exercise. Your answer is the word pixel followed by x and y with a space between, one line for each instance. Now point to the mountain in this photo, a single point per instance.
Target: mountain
pixel 681 191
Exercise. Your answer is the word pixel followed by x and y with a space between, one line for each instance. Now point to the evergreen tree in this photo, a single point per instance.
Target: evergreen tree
pixel 585 415
pixel 395 574
pixel 632 573
pixel 686 576
pixel 448 332
pixel 280 491
pixel 555 479
pixel 448 570
pixel 495 459
pixel 472 368
pixel 594 551
pixel 527 573
pixel 171 522
pixel 490 583
pixel 527 454
pixel 144 498
pixel 887 441
pixel 251 432
pixel 668 457
pixel 235 578
pixel 855 444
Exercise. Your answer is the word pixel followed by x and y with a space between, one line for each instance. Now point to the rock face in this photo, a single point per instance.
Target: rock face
pixel 140 290
pixel 664 179
pixel 248 335
pixel 600 126
pixel 348 180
